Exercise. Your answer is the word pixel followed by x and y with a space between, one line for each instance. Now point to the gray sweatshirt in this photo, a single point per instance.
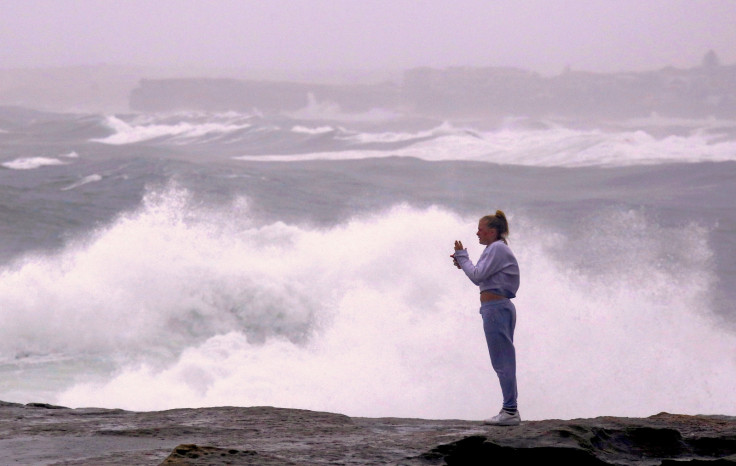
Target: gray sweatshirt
pixel 497 270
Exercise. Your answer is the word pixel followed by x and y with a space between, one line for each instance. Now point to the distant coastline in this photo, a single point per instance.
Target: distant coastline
pixel 703 91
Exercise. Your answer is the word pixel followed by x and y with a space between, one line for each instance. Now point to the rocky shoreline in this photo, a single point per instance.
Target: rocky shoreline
pixel 43 434
pixel 459 92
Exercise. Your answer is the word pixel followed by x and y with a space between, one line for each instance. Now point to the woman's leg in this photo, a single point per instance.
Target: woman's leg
pixel 499 321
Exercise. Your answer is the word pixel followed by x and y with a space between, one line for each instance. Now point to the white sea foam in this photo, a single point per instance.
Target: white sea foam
pixel 550 147
pixel 199 306
pixel 85 180
pixel 357 137
pixel 317 130
pixel 327 110
pixel 30 163
pixel 183 131
pixel 445 129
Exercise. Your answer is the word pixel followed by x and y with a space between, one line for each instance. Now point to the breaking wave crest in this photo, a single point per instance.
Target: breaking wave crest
pixel 187 305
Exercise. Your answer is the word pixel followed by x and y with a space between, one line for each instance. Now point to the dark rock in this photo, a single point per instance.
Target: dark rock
pixel 4 404
pixel 640 441
pixel 714 446
pixel 33 434
pixel 194 454
pixel 478 450
pixel 44 406
pixel 730 461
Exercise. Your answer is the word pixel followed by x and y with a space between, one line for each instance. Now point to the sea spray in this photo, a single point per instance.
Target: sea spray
pixel 549 147
pixel 537 143
pixel 184 129
pixel 183 304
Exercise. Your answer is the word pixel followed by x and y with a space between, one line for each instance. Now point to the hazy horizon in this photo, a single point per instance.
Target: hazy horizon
pixel 327 35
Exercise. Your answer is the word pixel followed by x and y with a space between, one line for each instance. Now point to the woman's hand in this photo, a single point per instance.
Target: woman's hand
pixel 454 261
pixel 458 247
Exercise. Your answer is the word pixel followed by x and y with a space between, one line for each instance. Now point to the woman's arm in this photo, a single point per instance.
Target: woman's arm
pixel 485 267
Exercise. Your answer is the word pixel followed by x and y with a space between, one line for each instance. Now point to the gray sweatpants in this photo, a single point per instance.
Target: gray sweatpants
pixel 499 320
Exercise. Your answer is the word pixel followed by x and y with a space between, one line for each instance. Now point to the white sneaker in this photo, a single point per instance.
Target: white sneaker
pixel 504 419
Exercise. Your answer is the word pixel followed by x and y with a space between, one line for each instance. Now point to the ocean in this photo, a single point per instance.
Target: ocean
pixel 155 261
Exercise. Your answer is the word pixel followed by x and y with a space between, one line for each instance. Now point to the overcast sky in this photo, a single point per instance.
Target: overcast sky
pixel 545 36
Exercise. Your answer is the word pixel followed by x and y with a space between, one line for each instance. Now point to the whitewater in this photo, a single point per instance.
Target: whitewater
pixel 188 260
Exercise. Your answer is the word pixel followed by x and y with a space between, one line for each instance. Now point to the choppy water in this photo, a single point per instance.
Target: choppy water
pixel 157 261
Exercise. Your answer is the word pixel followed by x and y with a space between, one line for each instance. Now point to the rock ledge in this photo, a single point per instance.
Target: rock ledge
pixel 38 433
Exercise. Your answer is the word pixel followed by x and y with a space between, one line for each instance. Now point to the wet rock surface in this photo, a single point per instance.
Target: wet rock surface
pixel 39 433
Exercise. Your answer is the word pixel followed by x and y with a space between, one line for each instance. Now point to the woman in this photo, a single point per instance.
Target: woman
pixel 497 275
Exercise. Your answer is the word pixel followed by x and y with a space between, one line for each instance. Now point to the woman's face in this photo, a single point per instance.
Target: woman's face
pixel 486 235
